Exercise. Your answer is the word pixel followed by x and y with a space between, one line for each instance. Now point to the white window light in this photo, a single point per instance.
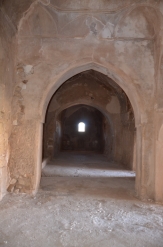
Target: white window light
pixel 81 127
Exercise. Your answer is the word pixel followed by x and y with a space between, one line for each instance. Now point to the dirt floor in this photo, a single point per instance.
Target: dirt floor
pixel 83 201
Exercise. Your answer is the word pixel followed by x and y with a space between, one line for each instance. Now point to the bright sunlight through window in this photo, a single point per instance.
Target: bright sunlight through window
pixel 81 127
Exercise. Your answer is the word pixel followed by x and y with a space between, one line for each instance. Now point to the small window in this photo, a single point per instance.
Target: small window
pixel 81 127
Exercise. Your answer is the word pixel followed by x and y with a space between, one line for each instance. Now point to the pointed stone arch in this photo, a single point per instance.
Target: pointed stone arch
pixel 124 82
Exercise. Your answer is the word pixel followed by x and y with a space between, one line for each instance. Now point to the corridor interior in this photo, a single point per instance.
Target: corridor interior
pixel 87 192
pixel 89 133
pixel 88 173
pixel 81 123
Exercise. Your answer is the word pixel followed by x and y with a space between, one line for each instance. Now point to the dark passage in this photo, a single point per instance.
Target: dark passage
pixel 90 138
pixel 105 113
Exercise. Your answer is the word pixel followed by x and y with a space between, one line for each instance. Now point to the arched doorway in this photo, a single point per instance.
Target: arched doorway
pixel 101 56
pixel 74 102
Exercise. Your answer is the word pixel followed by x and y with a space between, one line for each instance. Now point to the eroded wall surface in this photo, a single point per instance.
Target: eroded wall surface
pixel 58 39
pixel 7 81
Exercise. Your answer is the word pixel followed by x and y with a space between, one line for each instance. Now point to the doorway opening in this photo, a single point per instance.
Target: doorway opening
pixel 89 128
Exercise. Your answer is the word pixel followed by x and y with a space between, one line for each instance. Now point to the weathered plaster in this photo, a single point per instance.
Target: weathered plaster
pixel 59 39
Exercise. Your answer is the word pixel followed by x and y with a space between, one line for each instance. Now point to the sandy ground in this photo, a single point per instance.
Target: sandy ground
pixel 83 202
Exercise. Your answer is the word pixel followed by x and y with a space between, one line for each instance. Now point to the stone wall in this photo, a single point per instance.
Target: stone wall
pixel 7 82
pixel 59 39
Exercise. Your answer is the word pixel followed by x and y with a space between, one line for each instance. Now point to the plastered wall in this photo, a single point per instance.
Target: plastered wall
pixel 7 82
pixel 56 40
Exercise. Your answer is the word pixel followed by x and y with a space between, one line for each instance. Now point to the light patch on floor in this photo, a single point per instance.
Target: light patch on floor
pixel 81 211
